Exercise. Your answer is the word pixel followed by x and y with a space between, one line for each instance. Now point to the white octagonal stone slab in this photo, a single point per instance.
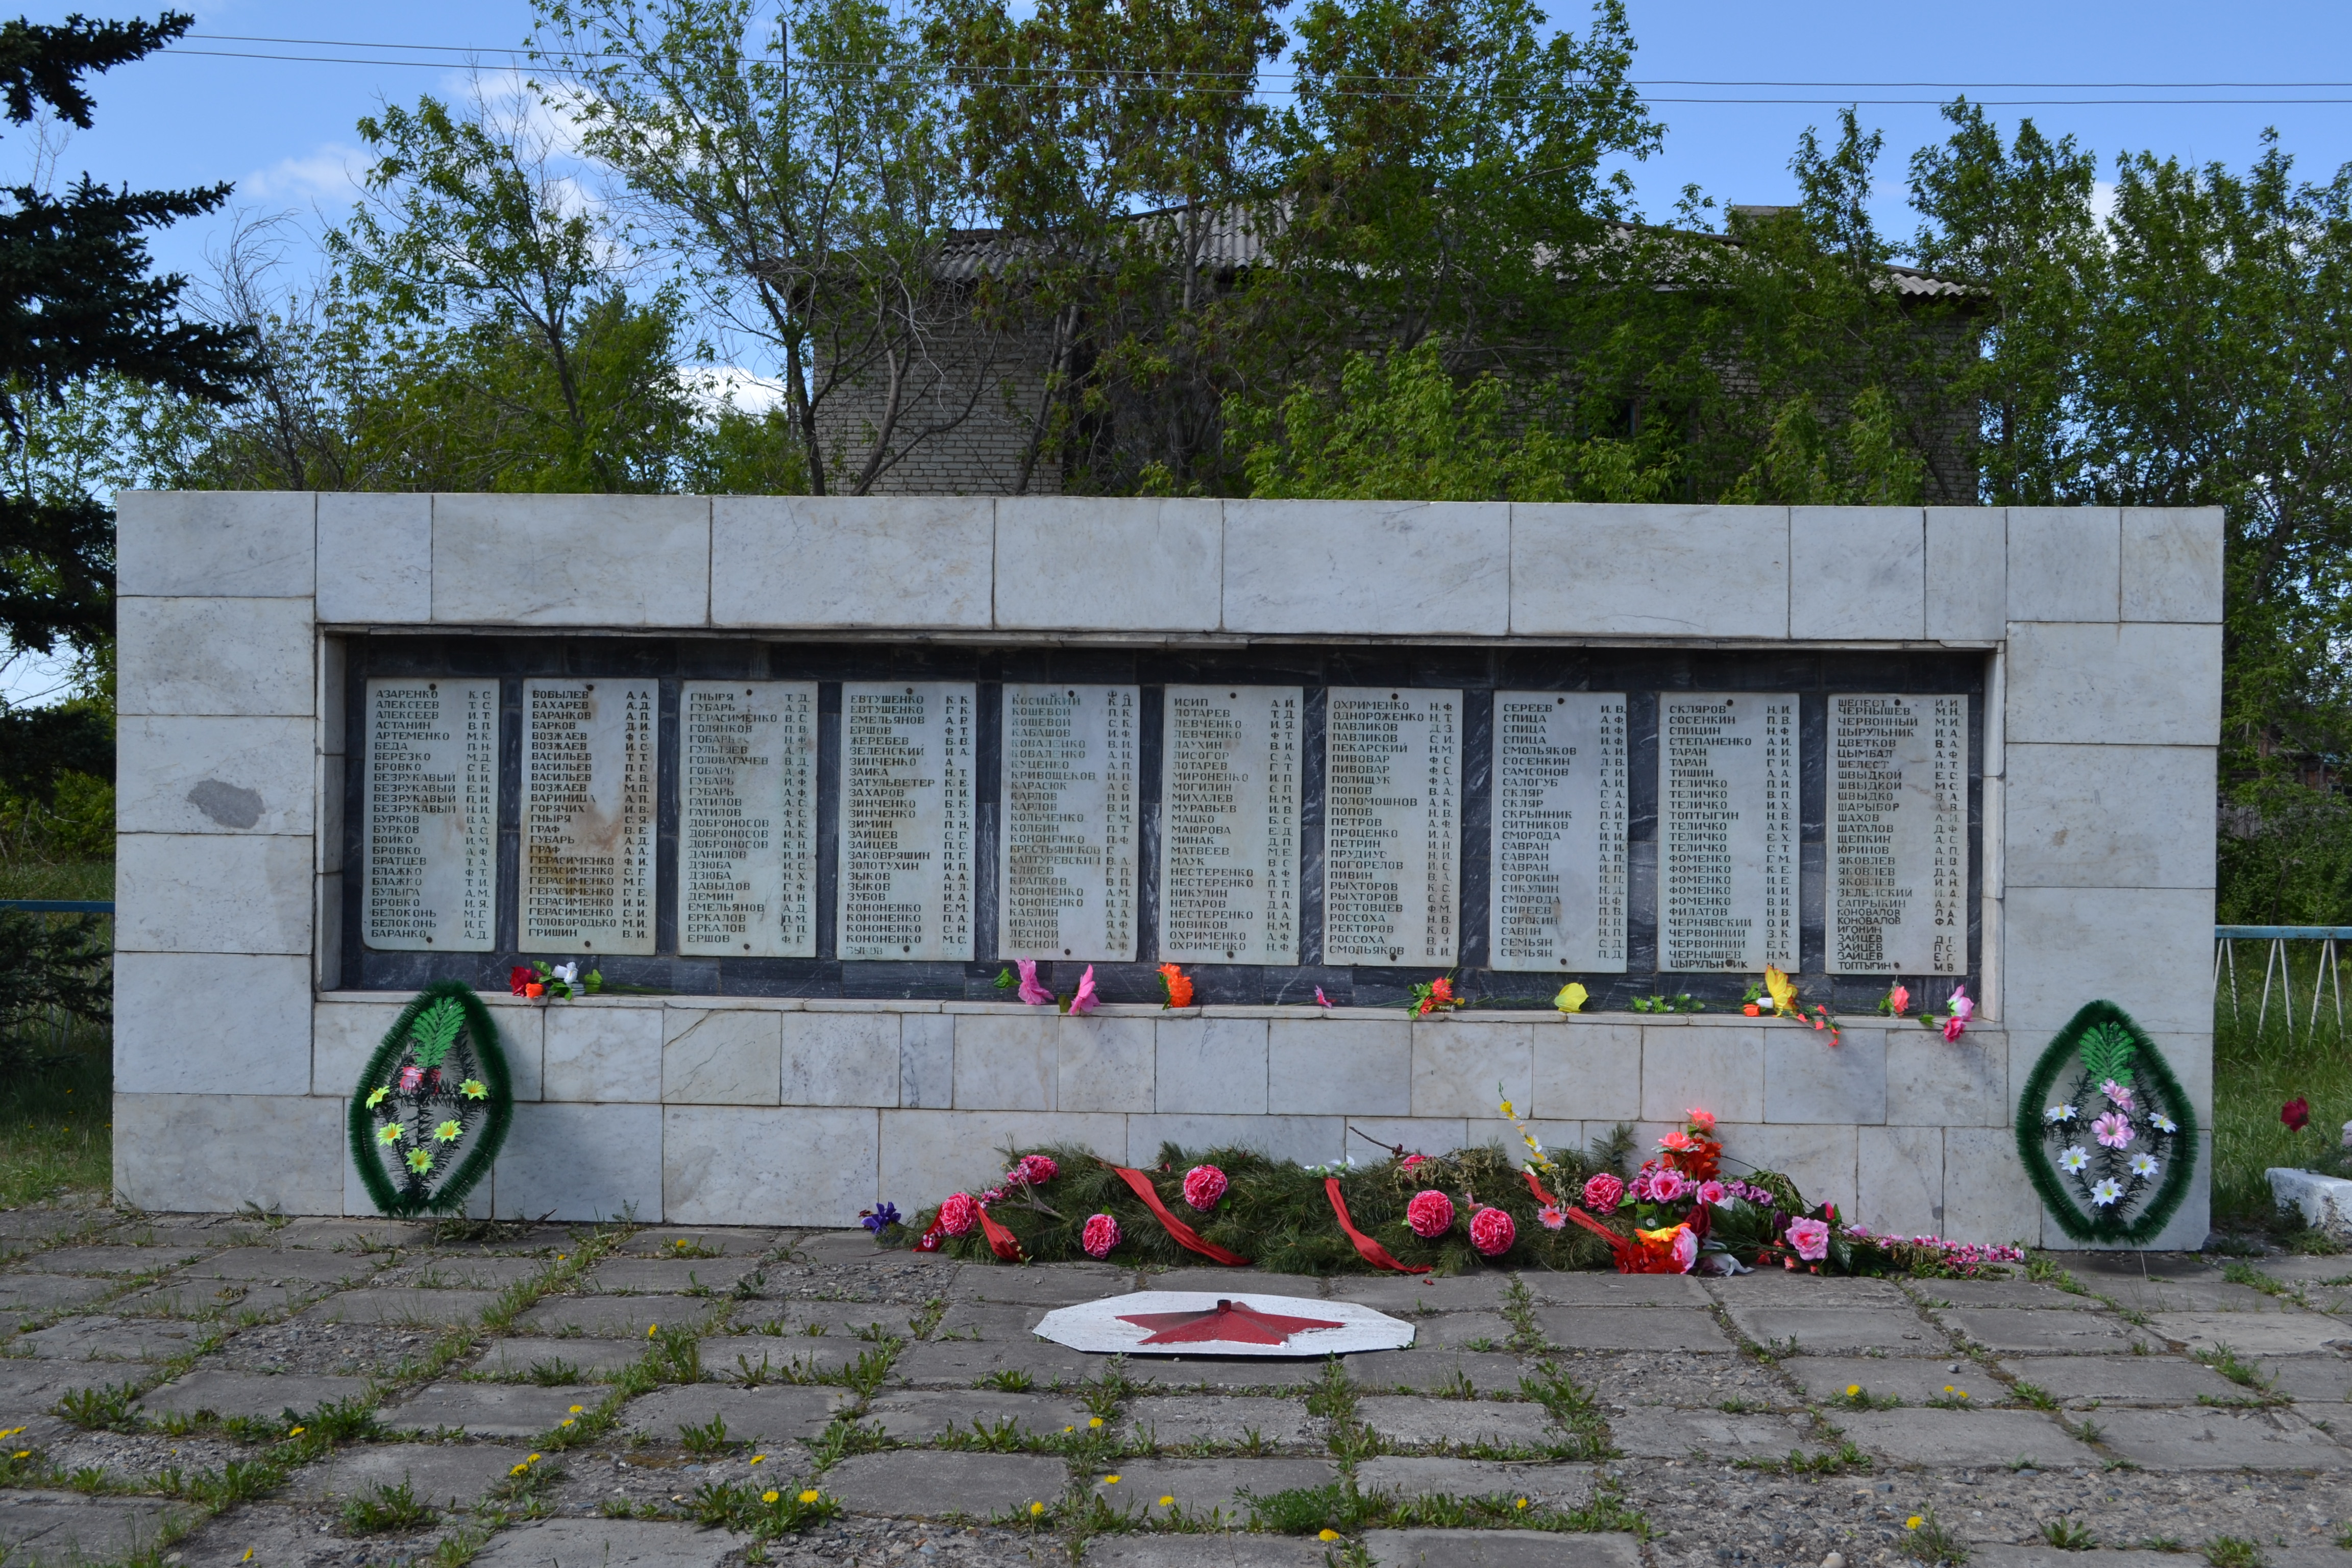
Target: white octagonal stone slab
pixel 1104 1326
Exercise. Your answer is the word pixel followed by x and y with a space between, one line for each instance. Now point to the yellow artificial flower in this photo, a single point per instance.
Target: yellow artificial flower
pixel 810 1495
pixel 473 1088
pixel 1783 992
pixel 390 1132
pixel 377 1098
pixel 1571 998
pixel 420 1160
pixel 449 1131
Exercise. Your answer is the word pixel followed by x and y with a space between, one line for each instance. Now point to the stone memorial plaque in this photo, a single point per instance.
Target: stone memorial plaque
pixel 1065 859
pixel 1898 834
pixel 1557 900
pixel 904 874
pixel 1726 831
pixel 1392 826
pixel 747 818
pixel 431 817
pixel 1229 838
pixel 588 772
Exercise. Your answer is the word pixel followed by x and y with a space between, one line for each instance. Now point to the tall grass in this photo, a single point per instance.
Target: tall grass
pixel 55 1136
pixel 23 878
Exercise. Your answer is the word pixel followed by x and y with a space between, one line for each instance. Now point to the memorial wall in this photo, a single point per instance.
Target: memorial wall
pixel 782 819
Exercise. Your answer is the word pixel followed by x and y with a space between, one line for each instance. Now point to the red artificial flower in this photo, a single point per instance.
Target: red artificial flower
pixel 1035 1170
pixel 1100 1235
pixel 1429 1214
pixel 534 990
pixel 1603 1193
pixel 958 1214
pixel 1492 1232
pixel 1178 986
pixel 519 977
pixel 2296 1113
pixel 1753 1011
pixel 1203 1185
pixel 1410 1161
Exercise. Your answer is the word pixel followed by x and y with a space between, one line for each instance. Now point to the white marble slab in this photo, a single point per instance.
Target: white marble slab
pixel 1229 825
pixel 588 804
pixel 1099 1326
pixel 1898 834
pixel 1392 826
pixel 1726 831
pixel 905 872
pixel 431 817
pixel 1066 855
pixel 1557 891
pixel 747 818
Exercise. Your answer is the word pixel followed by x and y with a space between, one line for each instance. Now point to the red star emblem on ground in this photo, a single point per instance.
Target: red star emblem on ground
pixel 1232 1322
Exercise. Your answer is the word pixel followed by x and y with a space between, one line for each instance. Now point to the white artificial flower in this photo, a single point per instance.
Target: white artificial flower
pixel 2075 1158
pixel 2165 1123
pixel 567 972
pixel 2060 1113
pixel 2143 1164
pixel 2106 1192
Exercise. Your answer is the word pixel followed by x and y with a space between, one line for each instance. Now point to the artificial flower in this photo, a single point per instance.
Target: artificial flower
pixel 2117 1093
pixel 2143 1164
pixel 1669 1250
pixel 1752 1010
pixel 390 1132
pixel 520 978
pixel 2060 1113
pixel 420 1160
pixel 1084 1000
pixel 1700 1121
pixel 1175 986
pixel 1203 1185
pixel 879 1219
pixel 567 972
pixel 2114 1130
pixel 1667 1185
pixel 2164 1123
pixel 375 1098
pixel 958 1214
pixel 1552 1217
pixel 1783 990
pixel 1898 1001
pixel 1810 1237
pixel 2106 1192
pixel 1601 1193
pixel 1100 1235
pixel 1571 998
pixel 412 1079
pixel 1410 1161
pixel 1321 1000
pixel 1034 994
pixel 1431 996
pixel 473 1088
pixel 534 989
pixel 2297 1114
pixel 1963 1009
pixel 1492 1232
pixel 2075 1158
pixel 1032 1170
pixel 1710 1192
pixel 449 1131
pixel 1429 1214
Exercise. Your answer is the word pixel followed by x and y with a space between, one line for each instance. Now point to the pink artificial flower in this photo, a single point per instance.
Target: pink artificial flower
pixel 1034 994
pixel 1638 1189
pixel 1100 1236
pixel 1667 1186
pixel 1962 1011
pixel 1685 1248
pixel 1899 999
pixel 2113 1130
pixel 1429 1214
pixel 1086 1001
pixel 1810 1237
pixel 1492 1232
pixel 958 1214
pixel 1601 1194
pixel 1203 1185
pixel 1552 1217
pixel 2116 1093
pixel 1033 1170
pixel 1702 1120
pixel 1710 1192
pixel 1321 1000
pixel 1410 1161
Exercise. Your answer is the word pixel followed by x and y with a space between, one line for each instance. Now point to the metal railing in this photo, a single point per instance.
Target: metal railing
pixel 2278 967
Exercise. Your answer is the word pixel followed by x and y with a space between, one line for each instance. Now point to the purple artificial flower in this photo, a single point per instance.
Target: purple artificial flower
pixel 881 1219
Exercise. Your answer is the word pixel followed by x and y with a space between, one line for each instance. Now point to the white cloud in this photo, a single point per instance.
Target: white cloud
pixel 331 172
pixel 715 385
pixel 2103 200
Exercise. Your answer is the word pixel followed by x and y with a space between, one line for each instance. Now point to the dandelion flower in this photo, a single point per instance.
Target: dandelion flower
pixel 298 1431
pixel 1912 1523
pixel 1168 1502
pixel 1852 1390
pixel 759 1458
pixel 810 1495
pixel 1521 1503
pixel 1110 1480
pixel 1327 1533
pixel 769 1495
pixel 652 1328
pixel 1035 1508
pixel 1097 1421
pixel 578 1408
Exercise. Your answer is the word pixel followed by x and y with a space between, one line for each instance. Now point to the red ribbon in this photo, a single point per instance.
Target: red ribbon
pixel 1000 1241
pixel 1535 1187
pixel 1183 1235
pixel 1371 1251
pixel 1627 1253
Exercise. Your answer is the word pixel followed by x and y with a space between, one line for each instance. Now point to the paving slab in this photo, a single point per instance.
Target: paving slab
pixel 1234 1282
pixel 2001 1554
pixel 29 1387
pixel 608 1543
pixel 2202 1439
pixel 2123 1379
pixel 417 1309
pixel 2213 1295
pixel 1225 1375
pixel 2295 1270
pixel 444 1475
pixel 1560 1486
pixel 915 1416
pixel 1429 1423
pixel 349 1234
pixel 1911 1379
pixel 1432 1371
pixel 670 1276
pixel 778 1358
pixel 466 1273
pixel 1659 1329
pixel 588 1359
pixel 114 1260
pixel 1719 1435
pixel 1786 1288
pixel 1945 1293
pixel 1841 1331
pixel 221 1392
pixel 2018 1331
pixel 61 1527
pixel 977 1321
pixel 1477 1332
pixel 1498 1549
pixel 277 1265
pixel 28 1292
pixel 117 1339
pixel 1214 1418
pixel 1204 1551
pixel 1064 1286
pixel 1204 1490
pixel 618 1317
pixel 218 1298
pixel 1962 1436
pixel 915 1483
pixel 665 1242
pixel 1616 1289
pixel 2308 1379
pixel 846 1320
pixel 1400 1296
pixel 41 1225
pixel 487 1409
pixel 771 1414
pixel 966 1362
pixel 2257 1333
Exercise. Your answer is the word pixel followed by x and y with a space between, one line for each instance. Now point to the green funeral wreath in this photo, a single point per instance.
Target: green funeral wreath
pixel 2123 1130
pixel 433 1107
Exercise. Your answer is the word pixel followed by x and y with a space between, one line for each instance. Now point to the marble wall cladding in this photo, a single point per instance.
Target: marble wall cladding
pixel 212 892
pixel 188 656
pixel 1443 568
pixel 1967 564
pixel 579 561
pixel 1720 1070
pixel 1857 573
pixel 179 1152
pixel 720 1164
pixel 714 1055
pixel 2171 566
pixel 346 1029
pixel 2065 563
pixel 216 775
pixel 1650 571
pixel 2138 684
pixel 1899 1179
pixel 818 561
pixel 2109 816
pixel 1335 1066
pixel 1588 1071
pixel 231 544
pixel 1211 1067
pixel 1136 565
pixel 605 1051
pixel 173 1034
pixel 580 1161
pixel 1467 1070
pixel 375 559
pixel 842 1058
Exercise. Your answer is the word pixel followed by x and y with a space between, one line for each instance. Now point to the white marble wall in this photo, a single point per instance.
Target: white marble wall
pixel 2101 627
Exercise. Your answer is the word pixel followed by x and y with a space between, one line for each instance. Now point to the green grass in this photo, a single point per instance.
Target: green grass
pixel 69 879
pixel 2255 1073
pixel 55 1126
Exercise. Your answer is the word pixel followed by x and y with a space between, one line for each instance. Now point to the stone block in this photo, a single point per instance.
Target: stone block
pixel 779 1358
pixel 58 1527
pixel 248 657
pixel 963 1363
pixel 1967 568
pixel 115 1339
pixel 2086 1380
pixel 1193 1551
pixel 460 1273
pixel 375 559
pixel 1650 571
pixel 1300 1140
pixel 1592 1072
pixel 1457 1064
pixel 603 1052
pixel 487 1409
pixel 2021 1330
pixel 2220 1440
pixel 2257 1333
pixel 1211 1066
pixel 1956 1438
pixel 1931 1082
pixel 32 1293
pixel 1551 1486
pixel 2109 816
pixel 1406 1421
pixel 2172 563
pixel 1105 1064
pixel 1820 1157
pixel 1678 1330
pixel 1335 1066
pixel 1172 1421
pixel 215 775
pixel 223 1392
pixel 736 1165
pixel 1899 1179
pixel 841 1058
pixel 1480 1332
pixel 212 892
pixel 912 1482
pixel 1808 1080
pixel 581 1162
pixel 774 1414
pixel 440 1475
pixel 1401 1295
pixel 1438 1372
pixel 1915 1380
pixel 1617 1290
pixel 1136 563
pixel 1007 1061
pixel 407 1307
pixel 722 1056
pixel 608 1543
pixel 1368 568
pixel 650 564
pixel 1498 1549
pixel 935 1153
pixel 665 1276
pixel 2139 684
pixel 1204 1490
pixel 1721 1071
pixel 158 994
pixel 627 1318
pixel 109 1259
pixel 1857 573
pixel 2065 563
pixel 1986 1195
pixel 853 562
pixel 245 544
pixel 2149 951
pixel 912 1415
pixel 1678 1434
pixel 1841 1331
pixel 926 1061
pixel 183 1153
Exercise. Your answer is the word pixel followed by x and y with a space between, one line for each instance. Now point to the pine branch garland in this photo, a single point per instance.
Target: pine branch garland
pixel 448 1020
pixel 2104 1035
